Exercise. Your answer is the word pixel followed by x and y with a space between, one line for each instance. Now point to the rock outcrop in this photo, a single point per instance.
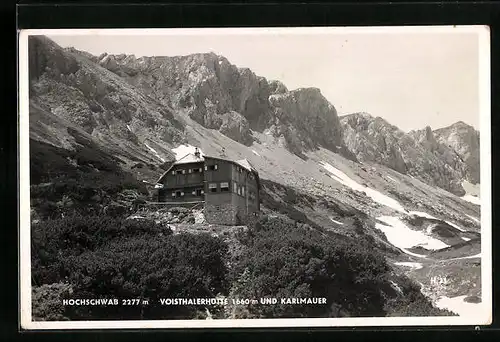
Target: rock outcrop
pixel 211 90
pixel 66 86
pixel 306 120
pixel 464 140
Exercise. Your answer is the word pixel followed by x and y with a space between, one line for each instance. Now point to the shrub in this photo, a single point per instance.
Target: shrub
pixel 46 302
pixel 282 260
pixel 184 266
pixel 54 239
pixel 107 257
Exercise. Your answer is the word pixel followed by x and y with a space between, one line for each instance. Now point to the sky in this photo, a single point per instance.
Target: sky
pixel 411 79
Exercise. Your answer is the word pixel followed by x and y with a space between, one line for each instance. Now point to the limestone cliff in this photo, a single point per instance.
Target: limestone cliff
pixel 420 153
pixel 67 87
pixel 211 89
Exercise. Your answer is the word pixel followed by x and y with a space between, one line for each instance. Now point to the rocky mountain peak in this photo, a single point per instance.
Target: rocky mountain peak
pixel 211 90
pixel 464 140
pixel 70 88
pixel 424 153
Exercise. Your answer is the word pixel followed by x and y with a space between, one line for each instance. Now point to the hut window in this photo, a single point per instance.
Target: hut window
pixel 242 191
pixel 239 190
pixel 199 192
pixel 212 167
pixel 173 172
pixel 224 187
pixel 235 187
pixel 180 172
pixel 212 187
pixel 197 170
pixel 173 194
pixel 193 192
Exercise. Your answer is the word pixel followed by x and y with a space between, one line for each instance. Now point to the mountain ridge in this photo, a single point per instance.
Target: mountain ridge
pixel 235 101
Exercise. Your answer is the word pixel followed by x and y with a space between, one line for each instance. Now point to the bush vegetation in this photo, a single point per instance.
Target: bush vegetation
pixel 105 257
pixel 282 260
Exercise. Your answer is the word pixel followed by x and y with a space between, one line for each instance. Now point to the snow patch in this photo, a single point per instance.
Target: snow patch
pixel 401 236
pixel 392 179
pixel 130 129
pixel 154 152
pixel 465 239
pixel 471 189
pixel 183 150
pixel 256 153
pixel 136 217
pixel 472 199
pixel 413 265
pixel 375 195
pixel 337 222
pixel 460 307
pixel 467 257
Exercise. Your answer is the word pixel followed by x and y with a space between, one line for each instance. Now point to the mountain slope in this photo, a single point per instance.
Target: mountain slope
pixel 68 88
pixel 217 94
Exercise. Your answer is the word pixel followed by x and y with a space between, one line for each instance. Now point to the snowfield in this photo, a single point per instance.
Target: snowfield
pixel 399 235
pixel 375 195
pixel 472 199
pixel 256 153
pixel 460 307
pixel 182 150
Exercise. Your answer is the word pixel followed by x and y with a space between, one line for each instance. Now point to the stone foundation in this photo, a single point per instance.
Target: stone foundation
pixel 226 214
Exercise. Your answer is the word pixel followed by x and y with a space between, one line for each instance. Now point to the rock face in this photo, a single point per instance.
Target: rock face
pixel 68 88
pixel 422 154
pixel 306 120
pixel 213 92
pixel 464 140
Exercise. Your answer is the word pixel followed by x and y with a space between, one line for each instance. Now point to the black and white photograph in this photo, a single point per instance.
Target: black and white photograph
pixel 255 177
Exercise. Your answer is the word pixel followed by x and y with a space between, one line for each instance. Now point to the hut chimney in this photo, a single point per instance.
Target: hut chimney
pixel 197 152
